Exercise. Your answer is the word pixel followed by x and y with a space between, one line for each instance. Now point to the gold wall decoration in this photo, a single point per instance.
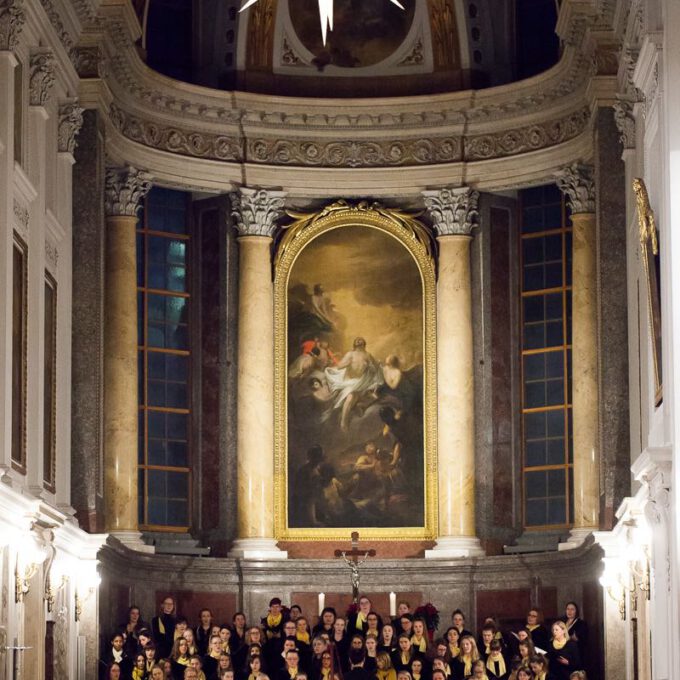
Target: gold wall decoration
pixel 260 50
pixel 355 376
pixel 649 245
pixel 445 46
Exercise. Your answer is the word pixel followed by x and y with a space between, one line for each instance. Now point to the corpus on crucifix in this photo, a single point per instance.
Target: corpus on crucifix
pixel 352 560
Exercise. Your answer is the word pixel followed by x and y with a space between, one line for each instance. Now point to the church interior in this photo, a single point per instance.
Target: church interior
pixel 339 339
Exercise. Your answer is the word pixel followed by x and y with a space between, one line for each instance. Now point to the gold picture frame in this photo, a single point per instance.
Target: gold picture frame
pixel 649 250
pixel 417 240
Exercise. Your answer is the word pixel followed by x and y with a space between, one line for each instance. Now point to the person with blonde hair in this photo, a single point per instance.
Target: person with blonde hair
pixel 563 652
pixel 461 666
pixel 384 668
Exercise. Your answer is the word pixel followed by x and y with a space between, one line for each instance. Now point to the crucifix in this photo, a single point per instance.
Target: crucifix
pixel 353 562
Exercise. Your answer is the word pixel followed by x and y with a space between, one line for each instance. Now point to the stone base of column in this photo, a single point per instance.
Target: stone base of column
pixel 576 538
pixel 257 549
pixel 455 546
pixel 133 541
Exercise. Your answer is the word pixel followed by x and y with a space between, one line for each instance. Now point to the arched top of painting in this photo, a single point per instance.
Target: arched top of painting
pixel 403 226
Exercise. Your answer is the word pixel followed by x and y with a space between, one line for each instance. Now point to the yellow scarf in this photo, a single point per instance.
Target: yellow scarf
pixel 467 661
pixel 559 645
pixel 405 657
pixel 420 644
pixel 541 676
pixel 487 649
pixel 455 651
pixel 252 676
pixel 138 674
pixel 273 621
pixel 325 672
pixel 360 621
pixel 302 637
pixel 292 672
pixel 491 664
pixel 532 628
pixel 389 674
pixel 416 676
pixel 183 661
pixel 161 627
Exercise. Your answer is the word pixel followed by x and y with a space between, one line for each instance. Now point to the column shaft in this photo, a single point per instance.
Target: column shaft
pixel 121 410
pixel 585 394
pixel 455 386
pixel 255 421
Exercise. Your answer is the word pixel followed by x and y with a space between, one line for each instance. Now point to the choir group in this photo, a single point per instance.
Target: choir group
pixel 360 646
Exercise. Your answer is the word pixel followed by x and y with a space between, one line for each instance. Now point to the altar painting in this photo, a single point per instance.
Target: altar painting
pixel 354 379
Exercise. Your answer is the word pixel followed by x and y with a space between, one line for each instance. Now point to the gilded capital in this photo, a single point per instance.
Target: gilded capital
pixel 255 211
pixel 124 190
pixel 42 78
pixel 453 211
pixel 70 122
pixel 577 183
pixel 12 20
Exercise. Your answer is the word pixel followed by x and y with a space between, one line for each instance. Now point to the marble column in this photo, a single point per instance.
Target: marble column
pixel 255 212
pixel 453 213
pixel 124 189
pixel 577 183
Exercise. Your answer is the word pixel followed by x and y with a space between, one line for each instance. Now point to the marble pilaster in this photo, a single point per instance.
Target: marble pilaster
pixel 454 213
pixel 125 187
pixel 577 183
pixel 255 212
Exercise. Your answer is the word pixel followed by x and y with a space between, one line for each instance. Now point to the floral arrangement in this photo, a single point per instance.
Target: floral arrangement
pixel 430 614
pixel 352 609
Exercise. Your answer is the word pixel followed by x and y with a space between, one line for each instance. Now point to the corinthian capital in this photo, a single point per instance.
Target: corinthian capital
pixel 255 210
pixel 453 211
pixel 124 190
pixel 576 182
pixel 12 20
pixel 42 78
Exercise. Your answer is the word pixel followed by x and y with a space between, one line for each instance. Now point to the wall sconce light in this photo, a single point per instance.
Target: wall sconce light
pixel 87 582
pixel 613 585
pixel 29 559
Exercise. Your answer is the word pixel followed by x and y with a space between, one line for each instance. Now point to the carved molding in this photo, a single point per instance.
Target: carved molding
pixel 288 55
pixel 55 19
pixel 577 183
pixel 70 122
pixel 453 211
pixel 255 211
pixel 42 78
pixel 51 254
pixel 416 56
pixel 89 62
pixel 353 154
pixel 21 217
pixel 12 20
pixel 625 122
pixel 124 190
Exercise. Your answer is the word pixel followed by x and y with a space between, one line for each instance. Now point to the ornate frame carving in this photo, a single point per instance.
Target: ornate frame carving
pixel 416 238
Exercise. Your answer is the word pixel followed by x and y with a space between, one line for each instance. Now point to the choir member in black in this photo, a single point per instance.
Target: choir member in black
pixel 196 663
pixel 163 627
pixel 563 653
pixel 131 629
pixel 252 669
pixel 496 664
pixel 223 664
pixel 325 623
pixel 405 654
pixel 488 635
pixel 157 673
pixel 538 632
pixel 539 667
pixel 371 645
pixel 439 674
pixel 279 661
pixel 150 658
pixel 212 658
pixel 138 668
pixel 144 637
pixel 203 631
pixel 458 620
pixel 273 622
pixel 419 670
pixel 461 666
pixel 576 627
pixel 406 624
pixel 373 624
pixel 440 664
pixel 290 668
pixel 238 632
pixel 419 637
pixel 356 645
pixel 357 621
pixel 525 650
pixel 339 638
pixel 302 631
pixel 328 669
pixel 452 638
pixel 113 672
pixel 117 652
pixel 180 658
pixel 295 612
pixel 479 670
pixel 276 647
pixel 524 673
pixel 319 646
pixel 402 609
pixel 387 642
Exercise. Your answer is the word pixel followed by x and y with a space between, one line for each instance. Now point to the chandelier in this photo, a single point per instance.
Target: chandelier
pixel 325 14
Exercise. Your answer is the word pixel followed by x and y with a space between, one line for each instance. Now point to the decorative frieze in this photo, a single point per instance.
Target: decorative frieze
pixel 42 78
pixel 124 190
pixel 255 211
pixel 21 217
pixel 453 210
pixel 577 183
pixel 12 20
pixel 51 254
pixel 57 24
pixel 70 122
